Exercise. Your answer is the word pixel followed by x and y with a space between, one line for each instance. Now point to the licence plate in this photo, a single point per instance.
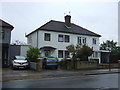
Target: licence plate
pixel 21 67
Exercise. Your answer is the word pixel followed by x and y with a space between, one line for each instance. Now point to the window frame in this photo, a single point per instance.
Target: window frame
pixel 81 40
pixel 60 55
pixel 47 37
pixel 94 41
pixel 3 34
pixel 60 38
pixel 67 38
pixel 67 54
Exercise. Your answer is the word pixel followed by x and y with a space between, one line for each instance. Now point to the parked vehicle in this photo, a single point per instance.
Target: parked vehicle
pixel 19 62
pixel 50 62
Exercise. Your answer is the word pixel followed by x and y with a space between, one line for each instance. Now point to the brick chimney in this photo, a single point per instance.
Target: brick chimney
pixel 68 20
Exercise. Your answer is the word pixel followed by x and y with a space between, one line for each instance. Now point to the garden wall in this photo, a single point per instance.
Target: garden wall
pixel 68 64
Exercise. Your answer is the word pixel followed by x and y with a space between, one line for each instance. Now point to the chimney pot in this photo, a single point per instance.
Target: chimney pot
pixel 68 20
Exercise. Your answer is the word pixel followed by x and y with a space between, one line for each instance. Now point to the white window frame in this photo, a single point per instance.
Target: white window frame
pixel 81 40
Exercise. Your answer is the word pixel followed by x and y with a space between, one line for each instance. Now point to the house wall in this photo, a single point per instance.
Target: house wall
pixel 60 45
pixel 23 50
pixel 7 35
pixel 5 38
pixel 32 40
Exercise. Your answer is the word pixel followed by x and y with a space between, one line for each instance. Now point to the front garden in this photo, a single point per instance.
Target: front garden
pixel 78 61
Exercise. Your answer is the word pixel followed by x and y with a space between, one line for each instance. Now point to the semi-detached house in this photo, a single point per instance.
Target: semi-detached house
pixel 53 37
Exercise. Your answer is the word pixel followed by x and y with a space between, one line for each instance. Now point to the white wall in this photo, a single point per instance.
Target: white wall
pixel 23 50
pixel 32 39
pixel 61 45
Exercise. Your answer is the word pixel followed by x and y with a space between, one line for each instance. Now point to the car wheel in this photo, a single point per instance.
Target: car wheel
pixel 13 68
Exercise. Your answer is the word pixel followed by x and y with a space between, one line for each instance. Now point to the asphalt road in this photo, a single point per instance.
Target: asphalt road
pixel 88 81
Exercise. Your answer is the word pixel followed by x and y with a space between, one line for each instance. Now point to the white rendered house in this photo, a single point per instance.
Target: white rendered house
pixel 53 37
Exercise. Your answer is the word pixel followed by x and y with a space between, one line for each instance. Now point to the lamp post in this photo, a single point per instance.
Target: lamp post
pixel 109 60
pixel 109 57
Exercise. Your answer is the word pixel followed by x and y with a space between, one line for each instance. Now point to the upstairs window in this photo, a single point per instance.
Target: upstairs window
pixel 47 36
pixel 60 38
pixel 81 40
pixel 63 38
pixel 94 40
pixel 3 34
pixel 84 40
pixel 67 38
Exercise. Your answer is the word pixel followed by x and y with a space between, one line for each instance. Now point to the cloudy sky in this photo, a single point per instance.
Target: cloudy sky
pixel 99 16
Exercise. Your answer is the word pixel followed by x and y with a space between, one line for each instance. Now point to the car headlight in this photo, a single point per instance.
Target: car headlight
pixel 26 62
pixel 14 62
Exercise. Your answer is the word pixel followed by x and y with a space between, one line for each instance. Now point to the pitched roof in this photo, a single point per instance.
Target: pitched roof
pixel 5 24
pixel 57 26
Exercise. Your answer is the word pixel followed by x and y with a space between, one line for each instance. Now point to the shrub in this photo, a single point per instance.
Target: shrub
pixel 32 54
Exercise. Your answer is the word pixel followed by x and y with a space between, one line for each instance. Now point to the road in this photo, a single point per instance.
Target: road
pixel 81 81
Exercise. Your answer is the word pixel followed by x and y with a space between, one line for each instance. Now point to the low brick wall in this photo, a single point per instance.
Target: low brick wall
pixel 33 65
pixel 68 64
pixel 36 65
pixel 106 66
pixel 86 65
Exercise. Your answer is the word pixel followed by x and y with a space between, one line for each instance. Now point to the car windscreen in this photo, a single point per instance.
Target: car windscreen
pixel 20 57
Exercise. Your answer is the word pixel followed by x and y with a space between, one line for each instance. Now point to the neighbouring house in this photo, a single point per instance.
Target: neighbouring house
pixel 53 37
pixel 5 38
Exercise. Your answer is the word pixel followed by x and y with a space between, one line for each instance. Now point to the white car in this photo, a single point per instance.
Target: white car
pixel 19 62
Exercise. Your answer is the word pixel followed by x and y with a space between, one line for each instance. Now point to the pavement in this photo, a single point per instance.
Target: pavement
pixel 8 74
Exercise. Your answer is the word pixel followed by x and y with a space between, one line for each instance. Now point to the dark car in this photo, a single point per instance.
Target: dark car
pixel 50 62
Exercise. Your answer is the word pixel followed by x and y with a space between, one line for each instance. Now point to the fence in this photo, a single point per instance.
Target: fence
pixel 114 58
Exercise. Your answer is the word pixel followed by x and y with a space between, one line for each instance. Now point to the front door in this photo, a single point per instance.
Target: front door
pixel 47 53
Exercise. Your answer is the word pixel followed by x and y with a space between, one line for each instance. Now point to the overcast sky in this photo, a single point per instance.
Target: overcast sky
pixel 99 16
